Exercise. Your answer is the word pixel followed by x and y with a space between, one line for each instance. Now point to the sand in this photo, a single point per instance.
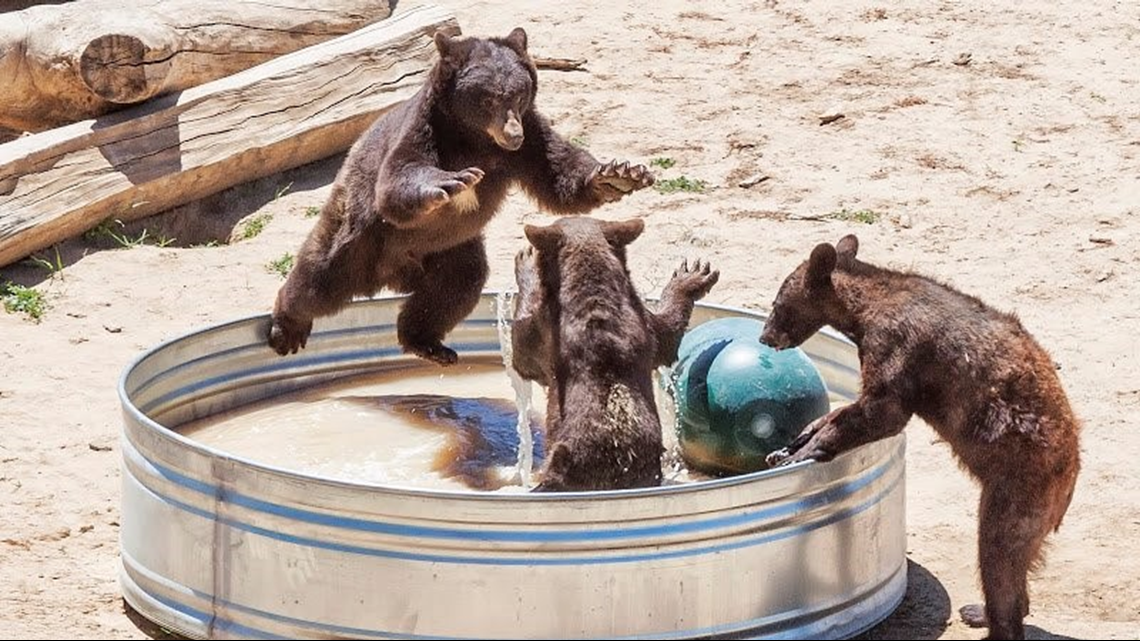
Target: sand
pixel 1011 173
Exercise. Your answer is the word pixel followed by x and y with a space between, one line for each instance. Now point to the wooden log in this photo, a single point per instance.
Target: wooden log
pixel 63 63
pixel 146 159
pixel 560 64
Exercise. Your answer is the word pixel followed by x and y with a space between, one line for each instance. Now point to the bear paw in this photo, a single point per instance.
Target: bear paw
pixel 786 456
pixel 437 353
pixel 809 445
pixel 455 188
pixel 287 335
pixel 696 281
pixel 526 269
pixel 614 180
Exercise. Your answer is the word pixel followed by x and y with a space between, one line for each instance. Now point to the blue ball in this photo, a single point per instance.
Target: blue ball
pixel 738 399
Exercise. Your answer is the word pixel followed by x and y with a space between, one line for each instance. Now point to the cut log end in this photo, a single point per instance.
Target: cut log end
pixel 122 69
pixel 86 58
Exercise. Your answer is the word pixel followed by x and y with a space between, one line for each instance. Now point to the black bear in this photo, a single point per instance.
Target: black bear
pixel 582 331
pixel 974 374
pixel 408 207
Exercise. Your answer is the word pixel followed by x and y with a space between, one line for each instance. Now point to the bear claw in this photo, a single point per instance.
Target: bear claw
pixel 526 268
pixel 450 186
pixel 695 281
pixel 616 179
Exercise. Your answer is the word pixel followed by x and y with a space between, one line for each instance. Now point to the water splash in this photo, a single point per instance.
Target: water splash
pixel 504 302
pixel 665 394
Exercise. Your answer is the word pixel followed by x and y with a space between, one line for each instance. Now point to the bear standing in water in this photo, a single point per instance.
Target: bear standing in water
pixel 408 207
pixel 974 374
pixel 581 331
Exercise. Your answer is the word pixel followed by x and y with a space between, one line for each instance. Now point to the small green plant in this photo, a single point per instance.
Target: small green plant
pixel 113 229
pixel 580 141
pixel 680 183
pixel 1097 97
pixel 255 225
pixel 1018 145
pixel 19 299
pixel 281 191
pixel 282 265
pixel 312 212
pixel 53 268
pixel 865 216
pixel 663 162
pixel 127 242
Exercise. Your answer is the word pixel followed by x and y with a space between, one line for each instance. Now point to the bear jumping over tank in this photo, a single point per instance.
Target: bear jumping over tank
pixel 408 207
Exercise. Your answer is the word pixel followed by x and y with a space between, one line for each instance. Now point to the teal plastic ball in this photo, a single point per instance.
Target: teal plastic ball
pixel 737 399
pixel 699 347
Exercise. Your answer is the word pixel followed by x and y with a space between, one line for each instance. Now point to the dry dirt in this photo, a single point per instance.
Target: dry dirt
pixel 1013 176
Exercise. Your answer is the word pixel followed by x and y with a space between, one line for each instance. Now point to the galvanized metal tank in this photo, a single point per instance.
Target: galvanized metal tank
pixel 214 546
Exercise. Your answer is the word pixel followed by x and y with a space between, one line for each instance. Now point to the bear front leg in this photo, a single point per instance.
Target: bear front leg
pixel 871 418
pixel 531 354
pixel 407 198
pixel 688 285
pixel 566 179
pixel 444 295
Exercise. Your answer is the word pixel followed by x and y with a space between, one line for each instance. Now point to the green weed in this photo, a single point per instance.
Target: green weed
pixel 19 299
pixel 865 216
pixel 679 184
pixel 281 266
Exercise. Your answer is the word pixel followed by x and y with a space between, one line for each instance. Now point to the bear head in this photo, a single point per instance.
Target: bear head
pixel 807 299
pixel 489 85
pixel 590 247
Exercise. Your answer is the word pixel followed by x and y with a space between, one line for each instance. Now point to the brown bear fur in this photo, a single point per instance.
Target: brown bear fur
pixel 582 331
pixel 408 207
pixel 974 374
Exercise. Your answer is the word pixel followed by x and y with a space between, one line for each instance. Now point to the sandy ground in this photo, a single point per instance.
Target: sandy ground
pixel 1013 176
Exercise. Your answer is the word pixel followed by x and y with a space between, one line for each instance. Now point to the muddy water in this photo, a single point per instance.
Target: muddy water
pixel 425 426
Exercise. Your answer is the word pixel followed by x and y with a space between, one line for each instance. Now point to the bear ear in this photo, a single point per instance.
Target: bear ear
pixel 517 40
pixel 821 264
pixel 450 49
pixel 544 239
pixel 847 248
pixel 443 43
pixel 622 233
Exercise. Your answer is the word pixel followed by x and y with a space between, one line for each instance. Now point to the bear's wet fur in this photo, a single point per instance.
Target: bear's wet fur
pixel 582 331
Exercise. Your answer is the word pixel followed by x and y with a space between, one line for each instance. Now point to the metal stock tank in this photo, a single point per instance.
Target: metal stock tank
pixel 215 546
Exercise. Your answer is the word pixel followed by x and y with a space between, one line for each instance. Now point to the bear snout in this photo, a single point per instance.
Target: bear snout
pixel 510 143
pixel 510 135
pixel 774 338
pixel 506 141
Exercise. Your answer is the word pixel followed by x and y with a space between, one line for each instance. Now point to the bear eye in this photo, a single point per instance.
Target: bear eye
pixel 488 102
